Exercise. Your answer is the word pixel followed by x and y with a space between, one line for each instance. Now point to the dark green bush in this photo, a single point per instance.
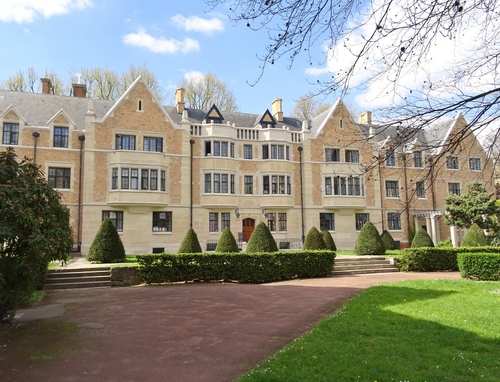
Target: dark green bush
pixel 429 259
pixel 422 239
pixel 388 241
pixel 256 267
pixel 480 266
pixel 369 241
pixel 328 239
pixel 475 237
pixel 107 246
pixel 227 243
pixel 445 244
pixel 190 243
pixel 314 240
pixel 261 240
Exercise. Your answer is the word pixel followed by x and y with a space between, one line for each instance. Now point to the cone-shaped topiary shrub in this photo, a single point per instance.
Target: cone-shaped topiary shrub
pixel 107 246
pixel 314 240
pixel 261 240
pixel 190 243
pixel 475 237
pixel 328 239
pixel 422 239
pixel 369 241
pixel 227 242
pixel 388 241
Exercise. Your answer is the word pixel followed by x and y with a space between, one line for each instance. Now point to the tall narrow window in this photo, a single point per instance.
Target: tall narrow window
pixel 288 185
pixel 162 180
pixel 265 151
pixel 389 158
pixel 224 183
pixel 282 184
pixel 265 184
pixel 274 152
pixel 247 151
pixel 224 149
pixel 114 178
pixel 271 221
pixel 153 180
pixel 134 179
pixel 274 184
pixel 232 184
pixel 213 222
pixel 144 179
pixel 125 178
pixel 417 159
pixel 10 133
pixel 208 183
pixel 282 222
pixel 61 136
pixel 420 189
pixel 328 186
pixel 248 184
pixel 225 220
pixel 216 183
pixel 216 149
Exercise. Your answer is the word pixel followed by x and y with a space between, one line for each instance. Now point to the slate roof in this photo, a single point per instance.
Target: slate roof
pixel 37 109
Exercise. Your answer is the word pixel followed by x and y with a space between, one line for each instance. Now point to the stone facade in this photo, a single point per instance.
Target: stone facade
pixel 156 170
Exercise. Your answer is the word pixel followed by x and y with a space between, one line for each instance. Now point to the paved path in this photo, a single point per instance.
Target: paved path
pixel 184 332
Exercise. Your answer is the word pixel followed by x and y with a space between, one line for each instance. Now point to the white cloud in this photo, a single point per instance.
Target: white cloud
pixel 160 45
pixel 198 24
pixel 193 75
pixel 22 11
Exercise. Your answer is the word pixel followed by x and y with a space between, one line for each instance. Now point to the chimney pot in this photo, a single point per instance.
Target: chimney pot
pixel 365 117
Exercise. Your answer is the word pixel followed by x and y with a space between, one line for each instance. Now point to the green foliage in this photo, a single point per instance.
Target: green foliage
pixel 388 241
pixel 256 267
pixel 34 230
pixel 107 246
pixel 428 259
pixel 475 206
pixel 314 240
pixel 475 237
pixel 422 239
pixel 190 243
pixel 261 240
pixel 480 266
pixel 227 243
pixel 445 244
pixel 369 241
pixel 328 239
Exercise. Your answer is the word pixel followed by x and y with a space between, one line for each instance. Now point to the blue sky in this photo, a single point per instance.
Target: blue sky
pixel 174 39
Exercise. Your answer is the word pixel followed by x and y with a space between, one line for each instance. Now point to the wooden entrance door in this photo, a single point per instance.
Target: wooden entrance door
pixel 248 226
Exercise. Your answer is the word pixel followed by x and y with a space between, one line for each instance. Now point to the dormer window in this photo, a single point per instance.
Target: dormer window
pixel 213 116
pixel 267 121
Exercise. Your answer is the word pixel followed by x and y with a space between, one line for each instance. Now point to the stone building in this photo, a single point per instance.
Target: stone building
pixel 155 170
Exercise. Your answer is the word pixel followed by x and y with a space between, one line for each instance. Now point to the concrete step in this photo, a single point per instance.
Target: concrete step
pixel 75 285
pixel 71 278
pixel 363 265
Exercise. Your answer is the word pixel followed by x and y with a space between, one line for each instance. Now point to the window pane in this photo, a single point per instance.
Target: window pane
pixel 326 221
pixel 10 134
pixel 361 219
pixel 116 218
pixel 61 136
pixel 248 184
pixel 162 221
pixel 213 222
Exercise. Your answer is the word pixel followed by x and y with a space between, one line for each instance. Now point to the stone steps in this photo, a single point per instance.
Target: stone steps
pixel 92 277
pixel 355 265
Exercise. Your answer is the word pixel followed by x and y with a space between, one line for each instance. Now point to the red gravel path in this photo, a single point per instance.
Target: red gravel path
pixel 188 332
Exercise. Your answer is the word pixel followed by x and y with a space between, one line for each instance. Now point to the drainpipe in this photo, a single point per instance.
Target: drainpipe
pixel 35 134
pixel 380 185
pixel 81 138
pixel 407 203
pixel 191 143
pixel 301 194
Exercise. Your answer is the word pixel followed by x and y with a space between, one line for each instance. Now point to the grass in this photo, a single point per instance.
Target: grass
pixel 422 330
pixel 388 253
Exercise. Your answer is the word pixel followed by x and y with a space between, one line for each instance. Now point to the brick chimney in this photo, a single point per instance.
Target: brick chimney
pixel 46 85
pixel 179 99
pixel 277 107
pixel 79 90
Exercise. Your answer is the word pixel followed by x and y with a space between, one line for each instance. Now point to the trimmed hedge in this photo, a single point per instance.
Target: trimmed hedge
pixel 314 240
pixel 261 240
pixel 422 239
pixel 328 239
pixel 107 246
pixel 190 243
pixel 251 268
pixel 369 241
pixel 475 237
pixel 481 266
pixel 388 240
pixel 432 259
pixel 227 242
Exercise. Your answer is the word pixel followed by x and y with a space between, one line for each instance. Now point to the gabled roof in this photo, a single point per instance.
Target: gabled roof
pixel 37 109
pixel 265 119
pixel 213 114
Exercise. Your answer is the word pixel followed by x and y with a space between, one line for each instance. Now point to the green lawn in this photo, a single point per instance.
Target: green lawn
pixel 423 330
pixel 389 253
